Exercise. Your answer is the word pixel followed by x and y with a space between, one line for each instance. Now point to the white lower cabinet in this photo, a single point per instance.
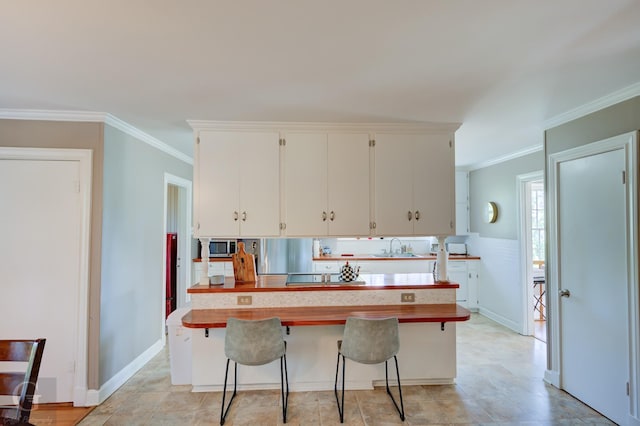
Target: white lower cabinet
pixel 465 273
pixel 215 268
pixel 326 267
pixel 474 278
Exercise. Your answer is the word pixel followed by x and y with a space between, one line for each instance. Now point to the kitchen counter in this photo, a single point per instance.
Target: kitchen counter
pixel 214 259
pixel 367 257
pixel 313 317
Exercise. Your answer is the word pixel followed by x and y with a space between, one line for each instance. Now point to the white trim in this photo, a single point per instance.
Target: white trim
pixel 512 325
pixel 281 126
pixel 593 106
pixel 94 117
pixel 84 158
pixel 185 186
pixel 524 237
pixel 628 142
pixel 504 158
pixel 552 377
pixel 127 372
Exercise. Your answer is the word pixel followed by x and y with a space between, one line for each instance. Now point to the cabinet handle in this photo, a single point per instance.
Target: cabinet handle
pixel 332 216
pixel 244 216
pixel 417 215
pixel 409 215
pixel 235 216
pixel 324 216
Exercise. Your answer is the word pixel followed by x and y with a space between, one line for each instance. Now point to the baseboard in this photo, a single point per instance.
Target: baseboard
pixel 633 421
pixel 552 377
pixel 324 385
pixel 127 372
pixel 93 398
pixel 512 325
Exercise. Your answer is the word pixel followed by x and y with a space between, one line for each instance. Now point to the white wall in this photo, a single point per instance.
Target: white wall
pixel 499 289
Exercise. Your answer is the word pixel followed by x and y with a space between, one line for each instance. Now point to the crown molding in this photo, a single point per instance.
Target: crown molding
pixel 281 126
pixel 94 117
pixel 507 157
pixel 593 106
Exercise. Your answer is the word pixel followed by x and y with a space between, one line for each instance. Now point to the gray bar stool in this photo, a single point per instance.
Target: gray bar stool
pixel 259 342
pixel 369 341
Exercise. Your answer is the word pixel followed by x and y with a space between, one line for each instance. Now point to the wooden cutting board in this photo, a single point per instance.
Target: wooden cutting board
pixel 244 266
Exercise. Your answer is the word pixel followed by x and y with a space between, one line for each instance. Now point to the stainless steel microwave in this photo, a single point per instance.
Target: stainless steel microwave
pixel 222 248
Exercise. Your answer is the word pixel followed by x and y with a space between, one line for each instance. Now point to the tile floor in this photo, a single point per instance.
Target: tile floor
pixel 499 383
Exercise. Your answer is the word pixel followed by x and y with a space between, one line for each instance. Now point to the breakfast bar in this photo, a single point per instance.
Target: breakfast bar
pixel 313 316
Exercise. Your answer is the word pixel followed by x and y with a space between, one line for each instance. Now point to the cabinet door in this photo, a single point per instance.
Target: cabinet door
pixel 258 170
pixel 457 273
pixel 306 184
pixel 433 185
pixel 348 185
pixel 472 270
pixel 217 184
pixel 393 180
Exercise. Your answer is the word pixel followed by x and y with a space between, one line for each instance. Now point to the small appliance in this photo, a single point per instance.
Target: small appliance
pixel 220 248
pixel 457 248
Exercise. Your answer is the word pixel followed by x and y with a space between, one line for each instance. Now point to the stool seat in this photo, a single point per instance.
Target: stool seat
pixel 369 341
pixel 255 342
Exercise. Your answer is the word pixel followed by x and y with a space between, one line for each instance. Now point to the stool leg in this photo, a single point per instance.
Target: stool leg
pixel 283 381
pixel 386 376
pixel 223 413
pixel 335 388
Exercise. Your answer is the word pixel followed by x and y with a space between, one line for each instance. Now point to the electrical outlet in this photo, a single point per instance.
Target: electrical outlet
pixel 407 297
pixel 244 300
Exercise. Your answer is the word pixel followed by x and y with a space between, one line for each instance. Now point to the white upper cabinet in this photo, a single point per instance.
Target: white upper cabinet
pixel 462 203
pixel 268 179
pixel 414 184
pixel 326 184
pixel 237 183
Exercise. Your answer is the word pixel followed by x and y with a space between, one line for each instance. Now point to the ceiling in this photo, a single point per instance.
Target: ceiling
pixel 503 68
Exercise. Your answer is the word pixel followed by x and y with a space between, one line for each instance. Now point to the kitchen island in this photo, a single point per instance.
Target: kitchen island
pixel 313 315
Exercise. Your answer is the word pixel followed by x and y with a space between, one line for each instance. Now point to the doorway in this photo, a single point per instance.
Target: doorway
pixel 46 203
pixel 531 196
pixel 593 278
pixel 177 222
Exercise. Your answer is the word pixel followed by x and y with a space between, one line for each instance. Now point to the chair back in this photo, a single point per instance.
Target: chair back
pixel 20 384
pixel 370 341
pixel 254 342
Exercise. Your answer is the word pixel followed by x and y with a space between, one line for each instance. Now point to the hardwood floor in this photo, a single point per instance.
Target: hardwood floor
pixel 58 414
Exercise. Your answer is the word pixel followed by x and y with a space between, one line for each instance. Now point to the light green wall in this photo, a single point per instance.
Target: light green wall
pixel 615 120
pixel 498 184
pixel 132 244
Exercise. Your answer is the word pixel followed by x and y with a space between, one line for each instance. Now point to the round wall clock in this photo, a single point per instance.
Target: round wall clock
pixel 491 212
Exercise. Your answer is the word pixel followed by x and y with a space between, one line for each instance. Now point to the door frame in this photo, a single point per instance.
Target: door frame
pixel 84 157
pixel 526 256
pixel 628 142
pixel 184 242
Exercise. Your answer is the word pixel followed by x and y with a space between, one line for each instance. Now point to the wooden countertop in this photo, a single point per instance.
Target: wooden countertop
pixel 328 315
pixel 270 283
pixel 367 257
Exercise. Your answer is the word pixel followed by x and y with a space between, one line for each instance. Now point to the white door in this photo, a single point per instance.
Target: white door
pixel 593 268
pixel 40 251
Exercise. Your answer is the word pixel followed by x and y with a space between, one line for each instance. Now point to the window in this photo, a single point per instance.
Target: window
pixel 537 220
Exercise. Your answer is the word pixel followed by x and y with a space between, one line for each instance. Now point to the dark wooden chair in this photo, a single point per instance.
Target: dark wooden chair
pixel 23 384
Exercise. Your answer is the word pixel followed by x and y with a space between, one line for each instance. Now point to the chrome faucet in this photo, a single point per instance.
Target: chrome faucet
pixel 391 244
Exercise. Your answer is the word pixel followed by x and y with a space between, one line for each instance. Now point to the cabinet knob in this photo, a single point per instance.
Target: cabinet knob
pixel 332 216
pixel 235 216
pixel 409 215
pixel 244 216
pixel 324 216
pixel 417 215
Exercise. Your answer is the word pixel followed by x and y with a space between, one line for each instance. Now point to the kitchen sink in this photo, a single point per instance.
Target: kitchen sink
pixel 395 255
